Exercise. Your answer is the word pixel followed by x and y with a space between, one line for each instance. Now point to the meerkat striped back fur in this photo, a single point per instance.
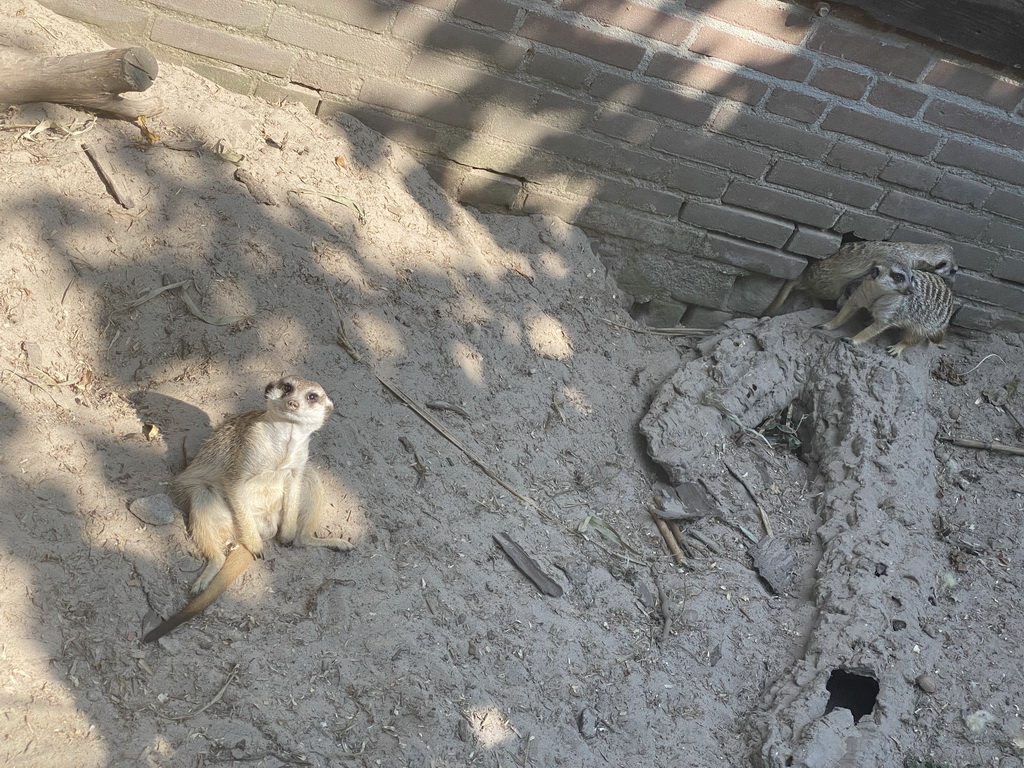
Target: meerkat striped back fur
pixel 834 278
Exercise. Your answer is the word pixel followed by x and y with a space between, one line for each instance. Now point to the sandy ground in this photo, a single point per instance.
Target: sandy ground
pixel 895 557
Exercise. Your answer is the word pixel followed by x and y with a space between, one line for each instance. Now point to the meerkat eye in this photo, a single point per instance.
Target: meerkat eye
pixel 312 397
pixel 287 388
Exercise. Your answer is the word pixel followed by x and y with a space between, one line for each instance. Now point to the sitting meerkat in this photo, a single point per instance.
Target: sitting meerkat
pixel 829 279
pixel 251 481
pixel 918 303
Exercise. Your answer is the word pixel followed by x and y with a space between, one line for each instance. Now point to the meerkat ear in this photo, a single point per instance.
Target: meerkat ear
pixel 875 272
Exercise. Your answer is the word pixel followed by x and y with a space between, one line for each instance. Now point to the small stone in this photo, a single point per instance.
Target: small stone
pixel 155 510
pixel 587 722
pixel 954 412
pixel 927 683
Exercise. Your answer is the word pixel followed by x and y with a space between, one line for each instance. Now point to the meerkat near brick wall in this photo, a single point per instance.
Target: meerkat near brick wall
pixel 918 303
pixel 250 481
pixel 829 279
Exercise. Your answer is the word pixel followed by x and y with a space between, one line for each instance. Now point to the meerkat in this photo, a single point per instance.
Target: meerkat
pixel 251 481
pixel 829 279
pixel 918 303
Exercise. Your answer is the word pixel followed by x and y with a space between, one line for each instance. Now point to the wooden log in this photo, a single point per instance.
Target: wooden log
pixel 93 81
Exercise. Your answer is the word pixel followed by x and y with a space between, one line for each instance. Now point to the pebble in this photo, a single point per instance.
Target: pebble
pixel 927 683
pixel 587 721
pixel 155 510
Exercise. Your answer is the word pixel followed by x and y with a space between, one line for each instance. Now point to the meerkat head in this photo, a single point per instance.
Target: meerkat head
pixel 894 278
pixel 299 400
pixel 944 267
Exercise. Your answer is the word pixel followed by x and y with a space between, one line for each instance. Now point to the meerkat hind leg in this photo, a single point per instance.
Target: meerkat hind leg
pixel 209 523
pixel 311 503
pixel 847 311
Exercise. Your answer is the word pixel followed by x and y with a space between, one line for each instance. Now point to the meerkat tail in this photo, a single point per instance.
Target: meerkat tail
pixel 238 560
pixel 780 298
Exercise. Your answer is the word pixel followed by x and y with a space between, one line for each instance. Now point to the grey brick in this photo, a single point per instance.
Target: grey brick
pixel 559 69
pixel 983 318
pixel 697 181
pixel 751 294
pixel 704 317
pixel 233 13
pixel 1011 268
pixel 113 16
pixel 990 290
pixel 907 173
pixel 781 204
pixel 897 98
pixel 957 189
pixel 796 141
pixel 975 257
pixel 998 165
pixel 244 52
pixel 401 131
pixel 664 313
pixel 593 45
pixel 447 175
pixel 442 108
pixel 880 131
pixel 324 77
pixel 490 13
pixel 470 83
pixel 483 188
pixel 563 112
pixel 635 225
pixel 424 30
pixel 231 79
pixel 276 94
pixel 824 184
pixel 697 146
pixel 648 98
pixel 813 242
pixel 930 214
pixel 1007 204
pixel 359 13
pixel 538 200
pixel 311 36
pixel 624 126
pixel 648 200
pixel 975 123
pixel 865 225
pixel 850 157
pixel 738 222
pixel 907 234
pixel 842 82
pixel 755 258
pixel 796 106
pixel 1004 234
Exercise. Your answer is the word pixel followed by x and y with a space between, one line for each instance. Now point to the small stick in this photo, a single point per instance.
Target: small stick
pixel 678 536
pixel 119 192
pixel 984 446
pixel 764 515
pixel 231 676
pixel 673 546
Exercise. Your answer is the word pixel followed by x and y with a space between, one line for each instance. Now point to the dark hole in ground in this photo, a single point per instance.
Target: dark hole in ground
pixel 857 693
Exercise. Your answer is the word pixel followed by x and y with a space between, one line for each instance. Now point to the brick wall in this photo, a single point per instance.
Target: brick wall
pixel 709 147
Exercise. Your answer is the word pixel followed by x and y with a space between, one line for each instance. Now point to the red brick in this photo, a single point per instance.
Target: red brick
pixel 880 131
pixel 437 5
pixel 896 98
pixel 783 22
pixel 796 106
pixel 737 222
pixel 427 31
pixel 772 133
pixel 496 14
pixel 402 131
pixel 563 112
pixel 593 45
pixel 975 123
pixel 825 184
pixel 761 58
pixel 636 18
pixel 563 70
pixel 706 79
pixel 997 165
pixel 251 54
pixel 698 146
pixel 907 173
pixel 233 13
pixel 648 98
pixel 841 82
pixel 905 62
pixel 957 189
pixel 978 85
pixel 930 214
pixel 784 205
pixel 359 13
